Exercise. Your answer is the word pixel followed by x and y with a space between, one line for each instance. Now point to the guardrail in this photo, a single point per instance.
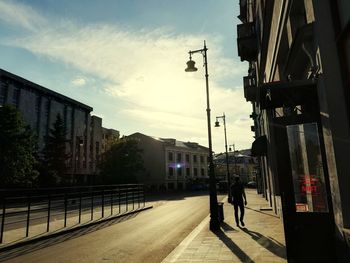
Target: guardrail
pixel 25 208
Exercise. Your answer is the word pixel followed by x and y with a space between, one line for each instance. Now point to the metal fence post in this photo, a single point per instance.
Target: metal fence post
pixel 138 196
pixel 111 201
pixel 3 218
pixel 28 215
pixel 65 209
pixel 133 199
pixel 119 196
pixel 144 198
pixel 126 198
pixel 92 204
pixel 79 205
pixel 48 213
pixel 103 203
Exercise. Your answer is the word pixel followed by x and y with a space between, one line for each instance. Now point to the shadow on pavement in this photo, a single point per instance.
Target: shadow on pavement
pixel 227 228
pixel 261 212
pixel 269 243
pixel 25 249
pixel 232 246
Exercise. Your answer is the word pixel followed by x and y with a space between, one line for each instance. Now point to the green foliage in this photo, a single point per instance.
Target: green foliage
pixel 17 150
pixel 54 157
pixel 122 162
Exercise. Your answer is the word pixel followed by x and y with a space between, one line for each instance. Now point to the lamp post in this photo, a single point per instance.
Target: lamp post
pixel 214 220
pixel 234 157
pixel 228 177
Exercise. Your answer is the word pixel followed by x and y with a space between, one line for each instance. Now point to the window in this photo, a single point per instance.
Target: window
pixel 202 172
pixel 179 171
pixel 15 97
pixel 170 156
pixel 97 153
pixel 195 171
pixel 37 112
pixel 170 171
pixel 202 159
pixel 3 94
pixel 194 158
pixel 188 171
pixel 187 158
pixel 178 157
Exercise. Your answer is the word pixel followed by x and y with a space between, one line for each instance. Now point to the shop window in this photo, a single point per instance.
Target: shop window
pixel 307 168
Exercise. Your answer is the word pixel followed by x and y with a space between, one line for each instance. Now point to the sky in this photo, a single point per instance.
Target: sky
pixel 126 59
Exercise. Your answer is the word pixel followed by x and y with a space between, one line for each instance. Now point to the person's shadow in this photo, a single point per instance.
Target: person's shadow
pixel 267 242
pixel 243 257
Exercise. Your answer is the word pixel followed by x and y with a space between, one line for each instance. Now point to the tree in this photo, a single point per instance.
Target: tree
pixel 54 156
pixel 17 150
pixel 122 162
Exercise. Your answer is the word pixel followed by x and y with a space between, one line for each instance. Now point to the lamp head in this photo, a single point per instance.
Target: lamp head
pixel 217 124
pixel 190 66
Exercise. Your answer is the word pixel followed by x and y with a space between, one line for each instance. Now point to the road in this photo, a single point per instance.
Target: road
pixel 147 237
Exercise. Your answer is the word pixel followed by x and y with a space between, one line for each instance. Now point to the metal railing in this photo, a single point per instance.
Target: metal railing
pixel 26 208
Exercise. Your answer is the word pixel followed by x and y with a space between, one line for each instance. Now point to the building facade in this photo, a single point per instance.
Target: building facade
pixel 241 165
pixel 40 106
pixel 298 84
pixel 171 164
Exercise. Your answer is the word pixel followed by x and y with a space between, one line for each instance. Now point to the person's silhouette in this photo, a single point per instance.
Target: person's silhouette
pixel 238 194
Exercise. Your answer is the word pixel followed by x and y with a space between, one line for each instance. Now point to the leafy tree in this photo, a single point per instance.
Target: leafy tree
pixel 122 162
pixel 54 156
pixel 17 150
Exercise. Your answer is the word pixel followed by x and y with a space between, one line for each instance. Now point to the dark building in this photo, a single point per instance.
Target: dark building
pixel 298 83
pixel 39 107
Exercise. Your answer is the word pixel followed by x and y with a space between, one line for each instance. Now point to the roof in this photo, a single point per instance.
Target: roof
pixel 43 90
pixel 173 142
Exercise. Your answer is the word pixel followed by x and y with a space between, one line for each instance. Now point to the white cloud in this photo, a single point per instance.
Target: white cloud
pixel 145 69
pixel 20 15
pixel 78 82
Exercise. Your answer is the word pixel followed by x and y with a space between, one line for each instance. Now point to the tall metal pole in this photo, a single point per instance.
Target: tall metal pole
pixel 214 221
pixel 227 164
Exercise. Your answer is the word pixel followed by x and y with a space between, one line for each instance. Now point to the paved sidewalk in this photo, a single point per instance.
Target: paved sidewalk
pixel 261 240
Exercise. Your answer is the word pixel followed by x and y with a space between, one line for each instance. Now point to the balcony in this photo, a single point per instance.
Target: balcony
pixel 247 42
pixel 250 89
pixel 287 94
pixel 243 10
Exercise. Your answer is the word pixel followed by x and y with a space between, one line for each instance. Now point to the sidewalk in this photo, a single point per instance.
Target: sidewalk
pixel 261 240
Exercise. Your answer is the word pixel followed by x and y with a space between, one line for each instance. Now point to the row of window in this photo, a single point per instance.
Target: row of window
pixel 187 157
pixel 171 171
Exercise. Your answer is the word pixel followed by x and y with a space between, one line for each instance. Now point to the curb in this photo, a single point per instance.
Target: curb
pixel 65 231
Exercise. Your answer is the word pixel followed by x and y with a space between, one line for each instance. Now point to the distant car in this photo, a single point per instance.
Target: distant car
pixel 251 184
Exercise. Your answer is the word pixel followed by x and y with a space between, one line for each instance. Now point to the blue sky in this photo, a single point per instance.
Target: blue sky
pixel 126 59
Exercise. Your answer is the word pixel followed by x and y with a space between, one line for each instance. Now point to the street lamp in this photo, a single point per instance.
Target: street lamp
pixel 214 220
pixel 234 157
pixel 228 177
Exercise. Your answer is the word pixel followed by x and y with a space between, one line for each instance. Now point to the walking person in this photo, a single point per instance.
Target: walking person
pixel 239 199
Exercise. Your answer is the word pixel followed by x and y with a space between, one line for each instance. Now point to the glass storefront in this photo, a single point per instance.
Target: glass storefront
pixel 307 168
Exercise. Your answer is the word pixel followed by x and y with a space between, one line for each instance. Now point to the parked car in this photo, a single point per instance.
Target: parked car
pixel 251 184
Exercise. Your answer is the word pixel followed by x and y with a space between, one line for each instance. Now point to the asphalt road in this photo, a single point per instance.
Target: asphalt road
pixel 149 236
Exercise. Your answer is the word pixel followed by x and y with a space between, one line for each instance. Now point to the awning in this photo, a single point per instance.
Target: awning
pixel 259 146
pixel 290 94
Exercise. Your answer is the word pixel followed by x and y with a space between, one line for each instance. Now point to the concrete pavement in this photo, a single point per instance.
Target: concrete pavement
pixel 261 240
